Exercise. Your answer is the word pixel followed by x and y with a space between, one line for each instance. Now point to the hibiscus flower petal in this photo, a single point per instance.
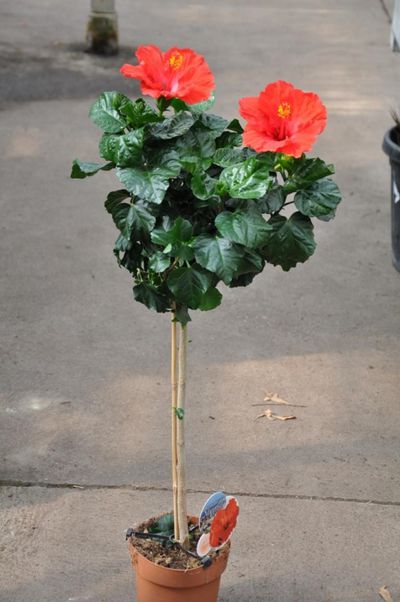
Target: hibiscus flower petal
pixel 283 119
pixel 177 73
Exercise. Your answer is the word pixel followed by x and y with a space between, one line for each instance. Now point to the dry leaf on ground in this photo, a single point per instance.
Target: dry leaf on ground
pixel 271 416
pixel 275 398
pixel 385 594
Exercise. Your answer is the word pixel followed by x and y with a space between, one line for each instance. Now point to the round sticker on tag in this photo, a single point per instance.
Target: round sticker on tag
pixel 215 502
pixel 224 523
pixel 203 545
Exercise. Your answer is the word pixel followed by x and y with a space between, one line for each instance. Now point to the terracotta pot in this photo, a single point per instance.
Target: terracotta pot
pixel 156 583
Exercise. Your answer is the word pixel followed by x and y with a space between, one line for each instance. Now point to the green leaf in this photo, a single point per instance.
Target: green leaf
pixel 319 200
pixel 218 255
pixel 188 285
pixel 243 279
pixel 150 296
pixel 229 139
pixel 172 127
pixel 199 107
pixel 163 525
pixel 214 123
pixel 291 242
pixel 182 315
pixel 151 184
pixel 235 126
pixel 203 186
pixel 138 113
pixel 115 198
pixel 139 222
pixel 225 157
pixel 122 150
pixel 251 263
pixel 105 112
pixel 179 413
pixel 272 201
pixel 247 228
pixel 81 169
pixel 305 172
pixel 159 262
pixel 195 149
pixel 179 105
pixel 247 180
pixel 210 299
pixel 180 231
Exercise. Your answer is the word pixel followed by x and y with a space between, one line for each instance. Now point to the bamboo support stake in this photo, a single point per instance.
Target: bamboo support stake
pixel 174 390
pixel 181 464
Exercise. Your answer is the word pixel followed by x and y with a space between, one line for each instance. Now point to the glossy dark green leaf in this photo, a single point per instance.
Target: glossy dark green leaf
pixel 171 127
pixel 273 200
pixel 123 150
pixel 242 280
pixel 305 172
pixel 138 113
pixel 203 186
pixel 179 413
pixel 235 126
pixel 188 284
pixel 114 198
pixel 214 123
pixel 230 139
pixel 139 221
pixel 159 262
pixel 218 255
pixel 210 299
pixel 195 149
pixel 82 169
pixel 163 525
pixel 247 228
pixel 319 200
pixel 182 315
pixel 291 242
pixel 105 112
pixel 151 297
pixel 150 184
pixel 179 231
pixel 247 180
pixel 225 157
pixel 251 262
pixel 199 107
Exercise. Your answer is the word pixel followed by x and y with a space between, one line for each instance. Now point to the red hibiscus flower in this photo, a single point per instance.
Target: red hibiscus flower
pixel 282 119
pixel 223 524
pixel 177 73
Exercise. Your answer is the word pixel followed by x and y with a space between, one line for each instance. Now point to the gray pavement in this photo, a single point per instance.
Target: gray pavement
pixel 84 393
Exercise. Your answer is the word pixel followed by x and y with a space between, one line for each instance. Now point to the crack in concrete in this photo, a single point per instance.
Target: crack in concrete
pixel 386 11
pixel 143 488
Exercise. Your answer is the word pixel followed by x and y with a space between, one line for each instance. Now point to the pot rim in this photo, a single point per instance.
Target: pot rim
pixel 389 146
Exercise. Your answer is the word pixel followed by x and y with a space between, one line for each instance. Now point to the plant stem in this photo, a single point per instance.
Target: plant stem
pixel 181 463
pixel 174 389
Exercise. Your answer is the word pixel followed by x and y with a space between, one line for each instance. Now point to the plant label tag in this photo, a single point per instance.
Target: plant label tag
pixel 215 502
pixel 219 522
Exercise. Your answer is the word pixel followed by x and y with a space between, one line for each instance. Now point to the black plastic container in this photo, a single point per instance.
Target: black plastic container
pixel 391 146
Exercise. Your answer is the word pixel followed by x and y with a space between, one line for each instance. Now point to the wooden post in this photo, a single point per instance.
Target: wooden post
pixel 180 427
pixel 174 460
pixel 102 28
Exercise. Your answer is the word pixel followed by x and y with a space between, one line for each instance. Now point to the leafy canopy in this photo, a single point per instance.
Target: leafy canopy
pixel 195 208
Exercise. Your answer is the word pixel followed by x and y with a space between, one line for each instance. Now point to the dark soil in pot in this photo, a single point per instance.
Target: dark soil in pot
pixel 167 555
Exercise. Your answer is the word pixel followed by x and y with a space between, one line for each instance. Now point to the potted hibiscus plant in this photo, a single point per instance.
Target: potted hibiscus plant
pixel 391 146
pixel 204 204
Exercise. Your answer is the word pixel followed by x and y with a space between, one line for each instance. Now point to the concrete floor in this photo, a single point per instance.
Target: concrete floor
pixel 84 395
